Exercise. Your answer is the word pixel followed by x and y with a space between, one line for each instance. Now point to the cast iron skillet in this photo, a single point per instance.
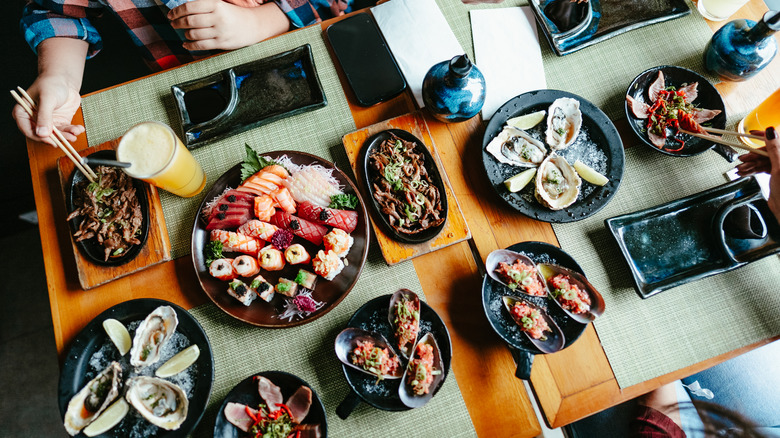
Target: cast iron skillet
pixel 601 131
pixel 369 175
pixel 93 337
pixel 246 393
pixel 92 250
pixel 522 349
pixel 708 98
pixel 373 316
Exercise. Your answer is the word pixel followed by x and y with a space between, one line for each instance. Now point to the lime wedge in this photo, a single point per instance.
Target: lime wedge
pixel 517 182
pixel 526 121
pixel 108 419
pixel 118 334
pixel 588 174
pixel 180 362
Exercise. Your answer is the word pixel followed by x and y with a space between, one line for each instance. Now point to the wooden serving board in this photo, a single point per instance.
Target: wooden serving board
pixel 455 229
pixel 156 250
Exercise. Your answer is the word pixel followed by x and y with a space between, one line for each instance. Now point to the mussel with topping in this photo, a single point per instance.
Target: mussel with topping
pixel 424 373
pixel 537 325
pixel 515 271
pixel 404 317
pixel 572 292
pixel 368 352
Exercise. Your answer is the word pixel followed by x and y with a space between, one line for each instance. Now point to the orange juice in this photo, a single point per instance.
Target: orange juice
pixel 161 159
pixel 765 115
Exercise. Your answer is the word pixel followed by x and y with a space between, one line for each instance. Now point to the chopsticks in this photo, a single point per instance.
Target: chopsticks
pixel 738 134
pixel 59 140
pixel 733 144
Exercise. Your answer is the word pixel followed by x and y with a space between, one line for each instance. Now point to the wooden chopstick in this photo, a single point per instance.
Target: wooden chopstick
pixel 738 134
pixel 72 155
pixel 733 144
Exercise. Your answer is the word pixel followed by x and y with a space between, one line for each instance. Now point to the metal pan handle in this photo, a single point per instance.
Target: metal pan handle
pixel 524 360
pixel 350 402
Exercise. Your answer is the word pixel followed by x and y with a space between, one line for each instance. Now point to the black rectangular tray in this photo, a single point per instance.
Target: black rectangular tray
pixel 684 240
pixel 248 95
pixel 606 19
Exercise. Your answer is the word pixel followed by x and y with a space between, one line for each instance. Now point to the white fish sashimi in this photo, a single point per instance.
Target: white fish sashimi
pixel 315 184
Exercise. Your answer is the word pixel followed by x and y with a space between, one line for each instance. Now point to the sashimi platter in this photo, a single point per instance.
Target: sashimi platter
pixel 280 239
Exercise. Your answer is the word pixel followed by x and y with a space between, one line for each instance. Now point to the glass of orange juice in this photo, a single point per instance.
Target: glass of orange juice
pixel 766 114
pixel 158 157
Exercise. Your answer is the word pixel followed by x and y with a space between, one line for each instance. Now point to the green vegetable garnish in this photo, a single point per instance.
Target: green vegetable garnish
pixel 255 283
pixel 212 251
pixel 283 287
pixel 343 201
pixel 253 163
pixel 300 278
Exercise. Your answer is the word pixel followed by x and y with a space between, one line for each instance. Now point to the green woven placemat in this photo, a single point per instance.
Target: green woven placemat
pixel 644 339
pixel 601 73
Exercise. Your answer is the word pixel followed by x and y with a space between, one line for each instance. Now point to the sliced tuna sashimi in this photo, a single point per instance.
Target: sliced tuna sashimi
pixel 704 115
pixel 656 87
pixel 230 219
pixel 231 198
pixel 640 109
pixel 237 416
pixel 691 92
pixel 343 219
pixel 235 242
pixel 299 403
pixel 300 227
pixel 259 229
pixel 269 392
pixel 309 430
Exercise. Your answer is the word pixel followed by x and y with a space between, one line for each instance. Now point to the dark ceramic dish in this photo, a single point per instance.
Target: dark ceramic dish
pixel 247 96
pixel 569 28
pixel 369 175
pixel 246 393
pixel 93 337
pixel 708 98
pixel 90 248
pixel 384 394
pixel 522 348
pixel 603 138
pixel 689 238
pixel 261 313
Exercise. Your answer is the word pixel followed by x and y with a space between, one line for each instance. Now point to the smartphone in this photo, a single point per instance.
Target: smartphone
pixel 369 66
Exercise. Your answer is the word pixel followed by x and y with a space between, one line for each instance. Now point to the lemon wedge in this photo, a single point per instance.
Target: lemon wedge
pixel 527 121
pixel 517 182
pixel 180 362
pixel 108 419
pixel 588 174
pixel 118 334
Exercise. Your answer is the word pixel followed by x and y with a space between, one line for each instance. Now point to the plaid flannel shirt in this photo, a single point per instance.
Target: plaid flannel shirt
pixel 144 20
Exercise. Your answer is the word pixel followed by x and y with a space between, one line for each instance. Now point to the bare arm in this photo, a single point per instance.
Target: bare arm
pixel 56 89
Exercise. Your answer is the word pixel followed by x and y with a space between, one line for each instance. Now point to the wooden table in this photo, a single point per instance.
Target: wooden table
pixel 496 400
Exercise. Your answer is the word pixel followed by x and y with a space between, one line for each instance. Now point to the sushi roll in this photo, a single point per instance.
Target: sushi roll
pixel 235 242
pixel 328 265
pixel 240 291
pixel 262 288
pixel 246 266
pixel 305 279
pixel 296 254
pixel 259 229
pixel 271 259
pixel 338 241
pixel 287 287
pixel 223 269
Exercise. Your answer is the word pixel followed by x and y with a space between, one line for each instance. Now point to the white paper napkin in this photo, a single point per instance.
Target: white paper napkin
pixel 419 37
pixel 508 55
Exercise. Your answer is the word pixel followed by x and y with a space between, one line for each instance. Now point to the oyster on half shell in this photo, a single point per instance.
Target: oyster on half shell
pixel 161 402
pixel 151 335
pixel 564 120
pixel 557 183
pixel 93 398
pixel 516 147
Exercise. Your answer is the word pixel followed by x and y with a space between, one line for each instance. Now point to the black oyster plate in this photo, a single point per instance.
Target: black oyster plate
pixel 523 350
pixel 90 248
pixel 602 137
pixel 708 98
pixel 93 337
pixel 371 144
pixel 383 395
pixel 246 393
pixel 692 238
pixel 247 96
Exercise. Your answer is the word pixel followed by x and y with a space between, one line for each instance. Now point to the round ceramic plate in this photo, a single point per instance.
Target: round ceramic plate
pixel 598 145
pixel 502 322
pixel 93 347
pixel 373 316
pixel 708 98
pixel 265 314
pixel 90 248
pixel 247 393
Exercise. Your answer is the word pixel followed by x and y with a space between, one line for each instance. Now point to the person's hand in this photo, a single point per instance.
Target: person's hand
pixel 57 103
pixel 216 24
pixel 473 2
pixel 754 163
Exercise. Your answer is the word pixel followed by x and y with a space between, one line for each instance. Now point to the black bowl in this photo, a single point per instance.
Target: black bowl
pixel 90 248
pixel 372 143
pixel 246 393
pixel 708 98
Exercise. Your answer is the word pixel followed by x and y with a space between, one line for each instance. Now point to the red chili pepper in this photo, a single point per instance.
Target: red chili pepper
pixel 682 145
pixel 251 415
pixel 284 407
